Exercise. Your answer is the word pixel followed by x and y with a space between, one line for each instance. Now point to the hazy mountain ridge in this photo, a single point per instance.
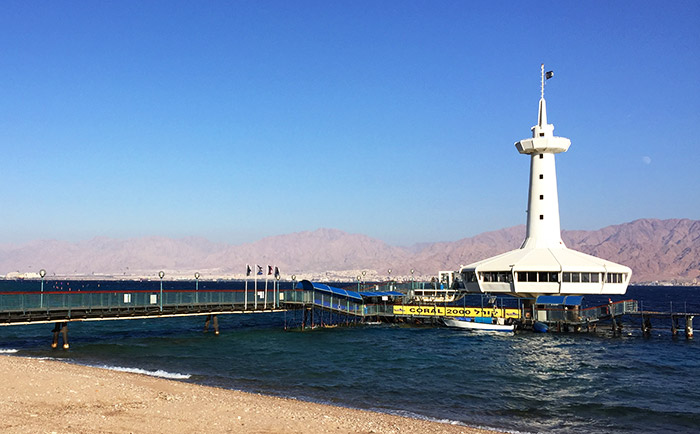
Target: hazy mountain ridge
pixel 655 249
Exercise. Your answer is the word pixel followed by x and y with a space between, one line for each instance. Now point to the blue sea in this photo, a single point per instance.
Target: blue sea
pixel 527 382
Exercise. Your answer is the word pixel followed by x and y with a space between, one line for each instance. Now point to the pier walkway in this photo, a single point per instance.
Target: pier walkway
pixel 390 302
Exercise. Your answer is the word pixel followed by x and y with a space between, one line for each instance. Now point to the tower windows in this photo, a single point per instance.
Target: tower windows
pixel 541 216
pixel 541 156
pixel 541 176
pixel 541 196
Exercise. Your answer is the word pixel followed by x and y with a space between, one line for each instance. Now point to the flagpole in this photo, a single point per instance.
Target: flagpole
pixel 255 306
pixel 265 292
pixel 245 292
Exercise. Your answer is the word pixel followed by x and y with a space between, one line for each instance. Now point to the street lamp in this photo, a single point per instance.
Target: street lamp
pixel 42 273
pixel 358 283
pixel 363 276
pixel 196 286
pixel 161 274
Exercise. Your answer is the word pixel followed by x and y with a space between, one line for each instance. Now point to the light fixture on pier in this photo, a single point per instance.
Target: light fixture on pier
pixel 161 274
pixel 42 273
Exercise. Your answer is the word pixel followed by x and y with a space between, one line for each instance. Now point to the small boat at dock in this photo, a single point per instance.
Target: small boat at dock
pixel 480 324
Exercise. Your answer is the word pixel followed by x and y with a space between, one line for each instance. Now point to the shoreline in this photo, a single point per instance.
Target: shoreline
pixel 54 396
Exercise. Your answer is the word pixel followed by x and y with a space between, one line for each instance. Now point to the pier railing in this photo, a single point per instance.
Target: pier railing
pixel 574 314
pixel 20 306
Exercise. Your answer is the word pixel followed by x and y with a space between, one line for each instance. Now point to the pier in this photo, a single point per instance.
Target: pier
pixel 311 305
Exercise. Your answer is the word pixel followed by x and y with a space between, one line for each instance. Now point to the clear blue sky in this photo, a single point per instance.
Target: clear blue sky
pixel 396 119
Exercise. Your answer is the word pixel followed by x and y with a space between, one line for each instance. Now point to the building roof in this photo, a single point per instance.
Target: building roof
pixel 546 259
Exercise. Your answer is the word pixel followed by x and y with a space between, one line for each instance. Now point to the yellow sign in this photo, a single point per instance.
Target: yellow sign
pixel 470 312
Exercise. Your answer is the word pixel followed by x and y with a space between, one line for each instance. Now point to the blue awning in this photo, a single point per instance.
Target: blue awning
pixel 565 300
pixel 322 287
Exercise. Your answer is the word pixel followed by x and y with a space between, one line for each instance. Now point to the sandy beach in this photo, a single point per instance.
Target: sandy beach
pixel 46 396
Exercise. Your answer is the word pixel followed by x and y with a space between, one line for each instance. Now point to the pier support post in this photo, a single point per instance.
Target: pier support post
pixel 674 326
pixel 62 328
pixel 214 321
pixel 689 327
pixel 616 326
pixel 646 325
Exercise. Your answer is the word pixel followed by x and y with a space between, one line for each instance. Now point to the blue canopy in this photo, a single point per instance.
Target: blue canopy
pixel 566 300
pixel 322 287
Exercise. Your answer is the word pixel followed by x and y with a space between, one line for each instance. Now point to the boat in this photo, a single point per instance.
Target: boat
pixel 540 327
pixel 479 324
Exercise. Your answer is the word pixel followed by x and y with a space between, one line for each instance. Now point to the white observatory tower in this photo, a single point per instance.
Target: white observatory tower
pixel 543 264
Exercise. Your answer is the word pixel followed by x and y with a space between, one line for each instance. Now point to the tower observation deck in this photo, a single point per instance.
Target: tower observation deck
pixel 543 264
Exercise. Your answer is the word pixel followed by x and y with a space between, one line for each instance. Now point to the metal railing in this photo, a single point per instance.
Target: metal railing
pixel 26 302
pixel 574 314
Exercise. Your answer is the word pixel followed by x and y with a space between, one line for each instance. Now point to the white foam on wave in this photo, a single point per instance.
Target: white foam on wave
pixel 8 351
pixel 412 415
pixel 158 373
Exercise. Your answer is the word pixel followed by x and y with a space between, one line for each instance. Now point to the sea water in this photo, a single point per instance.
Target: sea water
pixel 526 382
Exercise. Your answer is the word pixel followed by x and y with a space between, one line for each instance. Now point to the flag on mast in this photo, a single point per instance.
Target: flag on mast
pixel 269 270
pixel 277 273
pixel 260 270
pixel 247 270
pixel 549 74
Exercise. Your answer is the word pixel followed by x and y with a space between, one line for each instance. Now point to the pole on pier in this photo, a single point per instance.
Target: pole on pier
pixel 161 274
pixel 277 292
pixel 62 328
pixel 196 287
pixel 42 273
pixel 689 326
pixel 265 299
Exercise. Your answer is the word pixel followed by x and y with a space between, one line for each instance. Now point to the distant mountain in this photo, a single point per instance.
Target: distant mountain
pixel 662 250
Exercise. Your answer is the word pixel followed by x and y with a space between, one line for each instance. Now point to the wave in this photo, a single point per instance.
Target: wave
pixel 8 351
pixel 157 373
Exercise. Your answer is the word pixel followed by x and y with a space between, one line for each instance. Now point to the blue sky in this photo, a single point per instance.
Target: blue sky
pixel 239 120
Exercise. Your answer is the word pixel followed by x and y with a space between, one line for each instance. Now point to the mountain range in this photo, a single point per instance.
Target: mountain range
pixel 656 250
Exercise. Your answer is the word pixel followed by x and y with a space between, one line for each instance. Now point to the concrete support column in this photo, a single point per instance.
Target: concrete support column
pixel 646 325
pixel 62 328
pixel 214 320
pixel 674 326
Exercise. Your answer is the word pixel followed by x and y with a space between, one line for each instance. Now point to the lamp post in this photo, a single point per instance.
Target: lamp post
pixel 363 277
pixel 196 287
pixel 294 286
pixel 161 274
pixel 42 273
pixel 412 271
pixel 358 283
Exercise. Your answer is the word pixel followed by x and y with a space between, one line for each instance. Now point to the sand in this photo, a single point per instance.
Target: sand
pixel 46 396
